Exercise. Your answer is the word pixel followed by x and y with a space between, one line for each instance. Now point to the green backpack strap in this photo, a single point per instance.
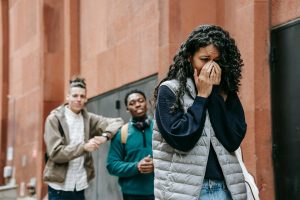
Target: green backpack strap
pixel 124 133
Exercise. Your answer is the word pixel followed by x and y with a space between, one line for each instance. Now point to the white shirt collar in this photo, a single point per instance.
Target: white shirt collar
pixel 70 113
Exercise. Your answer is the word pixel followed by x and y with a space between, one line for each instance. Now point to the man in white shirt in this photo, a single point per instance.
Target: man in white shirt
pixel 71 134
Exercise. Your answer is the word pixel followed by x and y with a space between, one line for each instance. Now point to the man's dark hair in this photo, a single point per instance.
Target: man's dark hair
pixel 77 81
pixel 132 92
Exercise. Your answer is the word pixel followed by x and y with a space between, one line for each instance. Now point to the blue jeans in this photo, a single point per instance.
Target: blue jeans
pixel 65 195
pixel 214 190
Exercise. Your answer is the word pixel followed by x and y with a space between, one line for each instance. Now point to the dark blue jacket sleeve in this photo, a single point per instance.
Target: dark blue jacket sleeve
pixel 180 130
pixel 228 120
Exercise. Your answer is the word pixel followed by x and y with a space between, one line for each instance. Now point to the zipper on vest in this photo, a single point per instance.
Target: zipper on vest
pixel 206 161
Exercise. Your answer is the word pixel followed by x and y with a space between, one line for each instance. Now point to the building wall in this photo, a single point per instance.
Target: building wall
pixel 118 42
pixel 112 43
pixel 284 11
pixel 3 85
pixel 24 89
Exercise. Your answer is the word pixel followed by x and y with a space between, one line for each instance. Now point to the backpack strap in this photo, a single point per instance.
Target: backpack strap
pixel 124 133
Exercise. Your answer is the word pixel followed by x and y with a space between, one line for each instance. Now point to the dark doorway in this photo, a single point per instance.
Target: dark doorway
pixel 285 92
pixel 111 104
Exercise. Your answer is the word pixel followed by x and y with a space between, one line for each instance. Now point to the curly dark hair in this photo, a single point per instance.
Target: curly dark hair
pixel 230 60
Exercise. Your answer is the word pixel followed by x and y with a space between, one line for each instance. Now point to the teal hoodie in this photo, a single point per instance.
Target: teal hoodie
pixel 122 161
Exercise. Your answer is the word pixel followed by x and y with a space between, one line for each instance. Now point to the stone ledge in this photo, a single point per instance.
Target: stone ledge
pixel 8 192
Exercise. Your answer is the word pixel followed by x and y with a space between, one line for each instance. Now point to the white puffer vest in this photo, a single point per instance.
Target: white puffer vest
pixel 179 175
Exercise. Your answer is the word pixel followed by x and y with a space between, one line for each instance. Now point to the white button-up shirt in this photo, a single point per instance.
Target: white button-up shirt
pixel 76 178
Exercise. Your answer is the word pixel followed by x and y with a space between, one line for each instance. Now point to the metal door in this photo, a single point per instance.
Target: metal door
pixel 111 104
pixel 285 92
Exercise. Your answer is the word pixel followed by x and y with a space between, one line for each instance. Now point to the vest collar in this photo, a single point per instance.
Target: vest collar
pixel 190 85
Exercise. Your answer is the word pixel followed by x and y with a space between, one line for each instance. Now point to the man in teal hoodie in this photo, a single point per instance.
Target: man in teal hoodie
pixel 130 153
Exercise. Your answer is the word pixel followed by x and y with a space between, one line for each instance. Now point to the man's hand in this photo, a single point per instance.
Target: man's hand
pixel 145 166
pixel 92 145
pixel 100 139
